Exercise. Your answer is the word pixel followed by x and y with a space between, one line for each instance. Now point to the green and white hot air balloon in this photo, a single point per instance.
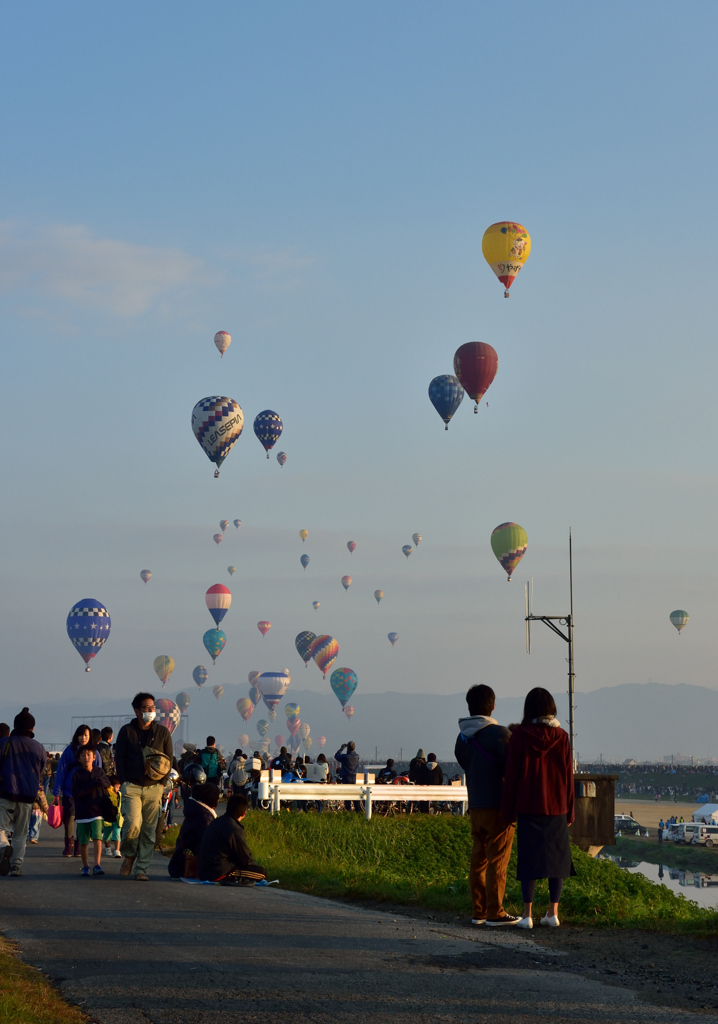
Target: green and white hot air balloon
pixel 509 543
pixel 679 618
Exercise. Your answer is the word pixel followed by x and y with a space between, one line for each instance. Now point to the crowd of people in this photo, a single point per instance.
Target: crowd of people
pixel 113 797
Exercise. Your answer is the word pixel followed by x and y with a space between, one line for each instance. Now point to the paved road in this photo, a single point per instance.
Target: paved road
pixel 169 953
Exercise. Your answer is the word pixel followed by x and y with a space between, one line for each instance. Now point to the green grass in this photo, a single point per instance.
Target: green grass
pixel 694 858
pixel 422 861
pixel 27 997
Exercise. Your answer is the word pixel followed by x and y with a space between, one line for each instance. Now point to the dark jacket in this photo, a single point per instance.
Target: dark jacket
pixel 197 816
pixel 224 850
pixel 386 775
pixel 415 767
pixel 431 775
pixel 104 749
pixel 481 751
pixel 88 789
pixel 131 741
pixel 62 785
pixel 22 762
pixel 539 773
pixel 349 762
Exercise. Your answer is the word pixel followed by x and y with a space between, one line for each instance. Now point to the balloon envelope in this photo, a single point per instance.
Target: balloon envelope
pixel 416 537
pixel 393 637
pixel 268 429
pixel 291 711
pixel 304 559
pixel 315 605
pixel 346 582
pixel 321 741
pixel 303 642
pixel 279 740
pixel 304 534
pixel 263 626
pixel 214 641
pixel 324 651
pixel 679 618
pixel 231 569
pixel 145 575
pixel 254 695
pixel 164 666
pixel 88 627
pixel 252 677
pixel 446 395
pixel 218 538
pixel 243 739
pixel 509 543
pixel 168 713
pixel 304 731
pixel 506 247
pixel 222 340
pixel 245 708
pixel 237 522
pixel 293 726
pixel 352 546
pixel 343 682
pixel 407 549
pixel 182 701
pixel 217 423
pixel 273 686
pixel 349 711
pixel 218 691
pixel 378 594
pixel 199 675
pixel 281 458
pixel 218 600
pixel 476 365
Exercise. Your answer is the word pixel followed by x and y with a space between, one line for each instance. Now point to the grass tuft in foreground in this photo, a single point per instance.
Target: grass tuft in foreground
pixel 27 997
pixel 423 861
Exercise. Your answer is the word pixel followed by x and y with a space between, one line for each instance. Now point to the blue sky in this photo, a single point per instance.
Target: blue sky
pixel 315 178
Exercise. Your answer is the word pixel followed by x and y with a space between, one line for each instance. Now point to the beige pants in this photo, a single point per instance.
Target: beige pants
pixel 15 818
pixel 140 809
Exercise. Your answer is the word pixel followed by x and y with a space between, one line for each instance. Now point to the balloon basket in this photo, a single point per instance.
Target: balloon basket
pixel 506 294
pixel 87 667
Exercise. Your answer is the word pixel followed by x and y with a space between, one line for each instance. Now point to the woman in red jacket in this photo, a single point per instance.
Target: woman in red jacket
pixel 538 791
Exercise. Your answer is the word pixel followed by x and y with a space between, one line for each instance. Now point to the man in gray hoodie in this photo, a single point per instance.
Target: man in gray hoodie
pixel 481 752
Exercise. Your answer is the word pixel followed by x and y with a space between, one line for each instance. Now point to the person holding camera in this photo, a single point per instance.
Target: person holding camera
pixel 349 763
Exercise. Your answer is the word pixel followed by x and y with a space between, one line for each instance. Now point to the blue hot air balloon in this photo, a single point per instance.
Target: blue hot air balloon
pixel 343 682
pixel 446 394
pixel 88 627
pixel 214 640
pixel 393 637
pixel 268 428
pixel 304 560
pixel 200 675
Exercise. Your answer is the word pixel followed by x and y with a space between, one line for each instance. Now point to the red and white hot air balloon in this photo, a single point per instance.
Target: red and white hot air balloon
pixel 264 627
pixel 348 711
pixel 218 599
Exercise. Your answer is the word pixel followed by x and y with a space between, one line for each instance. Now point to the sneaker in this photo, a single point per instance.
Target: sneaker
pixel 142 876
pixel 16 872
pixel 550 922
pixel 525 922
pixel 501 922
pixel 126 866
pixel 85 872
pixel 97 870
pixel 478 920
pixel 116 854
pixel 5 860
pixel 34 842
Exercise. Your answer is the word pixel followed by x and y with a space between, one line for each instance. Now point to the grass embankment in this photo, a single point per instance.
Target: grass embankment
pixel 672 855
pixel 27 997
pixel 423 861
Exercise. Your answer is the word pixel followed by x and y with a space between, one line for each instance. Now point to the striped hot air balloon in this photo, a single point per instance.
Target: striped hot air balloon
pixel 218 599
pixel 679 618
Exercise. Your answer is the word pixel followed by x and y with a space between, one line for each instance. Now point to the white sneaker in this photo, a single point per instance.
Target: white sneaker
pixel 525 922
pixel 116 853
pixel 550 922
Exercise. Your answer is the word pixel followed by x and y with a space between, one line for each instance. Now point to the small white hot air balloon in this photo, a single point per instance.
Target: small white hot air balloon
pixel 222 340
pixel 416 537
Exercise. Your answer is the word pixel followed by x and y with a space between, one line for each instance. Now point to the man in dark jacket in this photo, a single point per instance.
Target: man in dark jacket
pixel 481 752
pixel 199 812
pixel 22 763
pixel 143 757
pixel 430 774
pixel 349 763
pixel 224 855
pixel 209 759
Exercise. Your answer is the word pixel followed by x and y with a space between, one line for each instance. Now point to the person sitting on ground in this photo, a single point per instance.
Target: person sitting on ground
pixel 224 855
pixel 22 763
pixel 387 773
pixel 89 784
pixel 210 761
pixel 199 812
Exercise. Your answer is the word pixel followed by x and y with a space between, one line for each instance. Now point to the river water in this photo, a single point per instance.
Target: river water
pixel 694 885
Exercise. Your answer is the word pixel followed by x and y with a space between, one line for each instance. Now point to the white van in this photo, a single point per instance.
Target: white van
pixel 686 831
pixel 706 834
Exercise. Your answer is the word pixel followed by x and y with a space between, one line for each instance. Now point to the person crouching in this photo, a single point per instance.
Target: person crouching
pixel 224 855
pixel 199 813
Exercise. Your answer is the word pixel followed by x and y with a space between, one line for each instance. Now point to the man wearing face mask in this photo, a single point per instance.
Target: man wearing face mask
pixel 143 760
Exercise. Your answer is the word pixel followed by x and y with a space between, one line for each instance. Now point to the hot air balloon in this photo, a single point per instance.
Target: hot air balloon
pixel 343 682
pixel 324 651
pixel 145 575
pixel 199 675
pixel 263 626
pixel 304 731
pixel 273 686
pixel 237 523
pixel 222 340
pixel 304 559
pixel 509 543
pixel 217 691
pixel 307 743
pixel 303 534
pixel 416 537
pixel 218 599
pixel 293 725
pixel 291 711
pixel 217 423
pixel 393 637
pixel 168 713
pixel 346 582
pixel 268 429
pixel 352 546
pixel 321 742
pixel 506 247
pixel 679 618
pixel 476 364
pixel 88 627
pixel 214 640
pixel 254 695
pixel 315 605
pixel 218 538
pixel 272 714
pixel 223 524
pixel 243 739
pixel 164 666
pixel 349 711
pixel 281 458
pixel 231 569
pixel 252 677
pixel 378 594
pixel 182 701
pixel 407 549
pixel 245 708
pixel 303 642
pixel 279 740
pixel 446 395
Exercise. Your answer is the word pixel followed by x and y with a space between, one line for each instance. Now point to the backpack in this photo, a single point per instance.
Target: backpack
pixel 157 764
pixel 209 759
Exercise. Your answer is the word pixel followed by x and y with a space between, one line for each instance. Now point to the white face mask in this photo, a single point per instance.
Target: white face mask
pixel 149 716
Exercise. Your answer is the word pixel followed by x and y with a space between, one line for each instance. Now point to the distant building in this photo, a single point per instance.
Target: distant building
pixel 630 763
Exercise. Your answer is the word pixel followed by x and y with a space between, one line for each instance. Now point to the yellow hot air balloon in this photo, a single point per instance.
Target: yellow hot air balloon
pixel 506 247
pixel 164 666
pixel 304 534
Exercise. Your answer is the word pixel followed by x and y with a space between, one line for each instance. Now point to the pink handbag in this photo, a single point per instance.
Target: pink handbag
pixel 54 815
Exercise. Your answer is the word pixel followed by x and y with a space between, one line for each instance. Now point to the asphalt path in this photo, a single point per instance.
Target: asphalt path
pixel 165 952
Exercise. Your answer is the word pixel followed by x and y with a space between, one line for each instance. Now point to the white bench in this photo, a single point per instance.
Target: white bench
pixel 275 792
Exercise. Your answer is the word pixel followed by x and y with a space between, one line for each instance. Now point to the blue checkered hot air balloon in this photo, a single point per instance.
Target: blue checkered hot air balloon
pixel 446 394
pixel 88 627
pixel 268 427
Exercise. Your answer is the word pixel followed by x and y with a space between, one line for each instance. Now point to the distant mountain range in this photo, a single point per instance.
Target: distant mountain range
pixel 645 721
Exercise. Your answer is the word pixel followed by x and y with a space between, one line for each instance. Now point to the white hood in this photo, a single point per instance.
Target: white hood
pixel 475 723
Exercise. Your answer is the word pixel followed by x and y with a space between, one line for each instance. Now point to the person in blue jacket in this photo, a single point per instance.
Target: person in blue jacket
pixel 22 762
pixel 63 786
pixel 349 764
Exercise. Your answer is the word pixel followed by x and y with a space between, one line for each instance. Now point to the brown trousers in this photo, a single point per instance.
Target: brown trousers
pixel 490 854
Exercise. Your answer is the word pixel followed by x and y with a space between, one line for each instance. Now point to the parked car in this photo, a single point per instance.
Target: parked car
pixel 670 832
pixel 686 831
pixel 625 823
pixel 706 834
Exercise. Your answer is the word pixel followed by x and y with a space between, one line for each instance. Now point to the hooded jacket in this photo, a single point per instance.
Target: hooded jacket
pixel 22 762
pixel 431 774
pixel 88 788
pixel 131 741
pixel 349 764
pixel 481 752
pixel 539 773
pixel 197 816
pixel 224 850
pixel 416 764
